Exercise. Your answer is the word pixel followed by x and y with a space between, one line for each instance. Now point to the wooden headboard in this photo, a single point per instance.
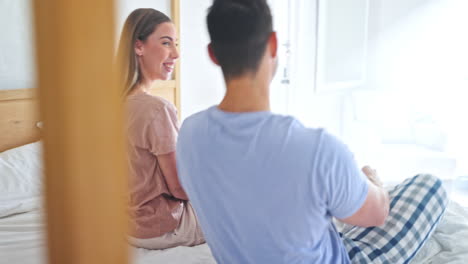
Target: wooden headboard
pixel 19 113
pixel 18 118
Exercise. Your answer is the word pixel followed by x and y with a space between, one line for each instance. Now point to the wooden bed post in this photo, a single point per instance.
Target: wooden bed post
pixel 175 15
pixel 80 105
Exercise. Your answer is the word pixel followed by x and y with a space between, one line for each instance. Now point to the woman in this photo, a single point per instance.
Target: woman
pixel 161 216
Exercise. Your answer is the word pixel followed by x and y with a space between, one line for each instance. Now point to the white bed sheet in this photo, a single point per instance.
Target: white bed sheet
pixel 22 242
pixel 449 243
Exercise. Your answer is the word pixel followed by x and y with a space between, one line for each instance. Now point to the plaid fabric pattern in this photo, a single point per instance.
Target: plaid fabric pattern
pixel 416 207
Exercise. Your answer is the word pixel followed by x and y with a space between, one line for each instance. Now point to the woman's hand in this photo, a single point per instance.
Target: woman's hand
pixel 167 163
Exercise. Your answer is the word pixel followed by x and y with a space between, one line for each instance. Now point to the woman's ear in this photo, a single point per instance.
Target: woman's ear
pixel 138 47
pixel 212 56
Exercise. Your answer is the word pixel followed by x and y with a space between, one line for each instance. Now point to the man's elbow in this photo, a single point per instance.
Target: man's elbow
pixel 384 211
pixel 380 221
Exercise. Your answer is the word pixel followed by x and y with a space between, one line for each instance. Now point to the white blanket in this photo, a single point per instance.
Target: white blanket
pixel 449 243
pixel 22 242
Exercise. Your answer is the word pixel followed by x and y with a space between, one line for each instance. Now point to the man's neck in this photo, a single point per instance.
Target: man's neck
pixel 246 94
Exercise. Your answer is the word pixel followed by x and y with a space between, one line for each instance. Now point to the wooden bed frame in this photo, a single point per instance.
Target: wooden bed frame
pixel 19 113
pixel 18 118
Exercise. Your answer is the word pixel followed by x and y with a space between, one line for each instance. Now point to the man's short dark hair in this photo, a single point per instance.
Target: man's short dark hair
pixel 239 32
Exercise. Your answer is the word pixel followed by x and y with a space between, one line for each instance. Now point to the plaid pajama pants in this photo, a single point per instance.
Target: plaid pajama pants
pixel 416 207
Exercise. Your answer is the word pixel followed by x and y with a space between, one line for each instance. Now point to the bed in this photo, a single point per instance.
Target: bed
pixel 22 229
pixel 22 222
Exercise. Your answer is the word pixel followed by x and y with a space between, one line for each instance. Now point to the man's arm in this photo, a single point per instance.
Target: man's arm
pixel 375 209
pixel 167 162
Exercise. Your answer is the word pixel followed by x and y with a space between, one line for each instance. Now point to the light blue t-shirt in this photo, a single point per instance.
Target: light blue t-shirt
pixel 265 187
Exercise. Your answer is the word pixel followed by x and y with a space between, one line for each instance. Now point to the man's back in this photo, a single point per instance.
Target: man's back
pixel 264 187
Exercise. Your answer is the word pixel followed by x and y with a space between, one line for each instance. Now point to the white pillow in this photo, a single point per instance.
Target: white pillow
pixel 21 171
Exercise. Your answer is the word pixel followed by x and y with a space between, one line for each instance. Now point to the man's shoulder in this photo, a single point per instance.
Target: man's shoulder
pixel 193 124
pixel 194 119
pixel 293 125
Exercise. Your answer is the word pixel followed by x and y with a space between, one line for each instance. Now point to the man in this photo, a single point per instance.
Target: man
pixel 265 188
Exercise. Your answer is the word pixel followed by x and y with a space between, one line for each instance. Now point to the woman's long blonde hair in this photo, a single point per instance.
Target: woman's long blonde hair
pixel 138 26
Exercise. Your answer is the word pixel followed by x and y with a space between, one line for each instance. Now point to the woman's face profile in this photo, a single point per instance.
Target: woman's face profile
pixel 158 53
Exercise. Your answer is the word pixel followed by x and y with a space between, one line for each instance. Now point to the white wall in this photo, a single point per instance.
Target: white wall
pixel 419 79
pixel 125 7
pixel 313 109
pixel 202 84
pixel 17 62
pixel 422 55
